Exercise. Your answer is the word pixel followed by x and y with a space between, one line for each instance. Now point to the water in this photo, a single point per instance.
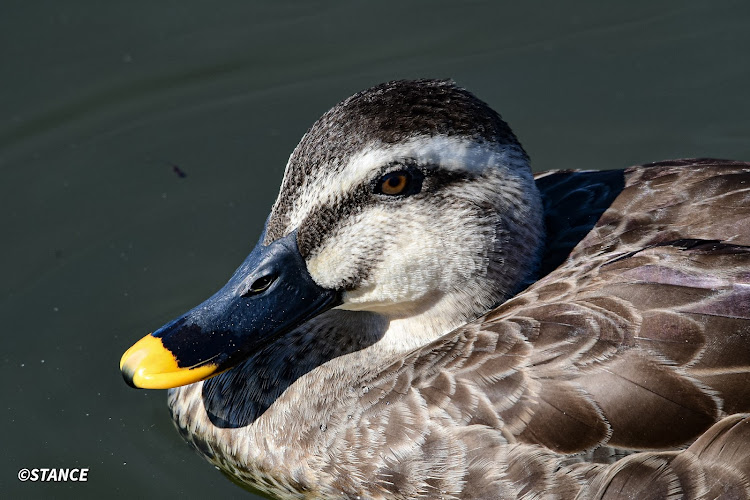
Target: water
pixel 103 241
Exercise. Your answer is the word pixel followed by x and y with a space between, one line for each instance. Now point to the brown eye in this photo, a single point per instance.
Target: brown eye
pixel 394 183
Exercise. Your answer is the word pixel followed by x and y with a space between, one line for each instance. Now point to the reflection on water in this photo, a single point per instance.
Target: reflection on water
pixel 142 143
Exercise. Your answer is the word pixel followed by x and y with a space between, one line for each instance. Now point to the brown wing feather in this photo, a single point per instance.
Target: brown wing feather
pixel 715 466
pixel 640 340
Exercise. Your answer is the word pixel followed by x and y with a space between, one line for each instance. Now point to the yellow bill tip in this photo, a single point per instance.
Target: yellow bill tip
pixel 150 365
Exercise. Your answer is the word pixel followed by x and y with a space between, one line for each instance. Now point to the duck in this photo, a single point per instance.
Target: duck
pixel 425 318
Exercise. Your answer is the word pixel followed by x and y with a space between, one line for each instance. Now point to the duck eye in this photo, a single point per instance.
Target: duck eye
pixel 394 183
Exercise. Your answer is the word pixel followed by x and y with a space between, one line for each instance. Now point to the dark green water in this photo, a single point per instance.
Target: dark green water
pixel 103 242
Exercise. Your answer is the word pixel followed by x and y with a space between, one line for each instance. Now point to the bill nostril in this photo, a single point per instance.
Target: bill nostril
pixel 260 285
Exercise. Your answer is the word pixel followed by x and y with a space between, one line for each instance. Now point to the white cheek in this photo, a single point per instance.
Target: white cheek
pixel 342 255
pixel 408 272
pixel 420 261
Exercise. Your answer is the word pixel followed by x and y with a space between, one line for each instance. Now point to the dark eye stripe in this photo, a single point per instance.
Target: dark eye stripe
pixel 325 219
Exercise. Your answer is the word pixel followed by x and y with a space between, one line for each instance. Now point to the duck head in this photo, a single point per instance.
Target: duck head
pixel 412 200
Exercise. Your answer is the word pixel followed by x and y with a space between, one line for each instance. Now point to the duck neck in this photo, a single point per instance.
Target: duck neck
pixel 508 264
pixel 404 333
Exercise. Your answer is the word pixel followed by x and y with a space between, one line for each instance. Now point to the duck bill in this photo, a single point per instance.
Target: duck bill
pixel 234 323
